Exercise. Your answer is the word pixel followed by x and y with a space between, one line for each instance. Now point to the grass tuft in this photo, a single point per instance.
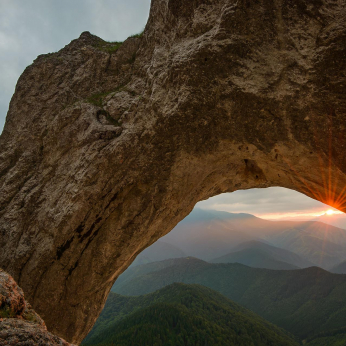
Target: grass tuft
pixel 97 99
pixel 137 35
pixel 108 47
pixel 7 313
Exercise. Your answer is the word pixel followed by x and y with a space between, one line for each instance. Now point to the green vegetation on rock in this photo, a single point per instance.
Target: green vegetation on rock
pixel 108 47
pixel 140 34
pixel 7 312
pixel 97 98
pixel 112 47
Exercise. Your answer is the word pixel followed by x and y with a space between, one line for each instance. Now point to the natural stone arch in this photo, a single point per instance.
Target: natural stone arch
pixel 106 150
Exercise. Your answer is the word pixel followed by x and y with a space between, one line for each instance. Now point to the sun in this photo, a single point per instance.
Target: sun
pixel 330 212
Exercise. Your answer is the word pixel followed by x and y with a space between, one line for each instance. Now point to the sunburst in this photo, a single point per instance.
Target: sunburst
pixel 332 212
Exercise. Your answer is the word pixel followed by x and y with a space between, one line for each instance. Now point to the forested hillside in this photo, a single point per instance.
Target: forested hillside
pixel 182 315
pixel 304 302
pixel 332 338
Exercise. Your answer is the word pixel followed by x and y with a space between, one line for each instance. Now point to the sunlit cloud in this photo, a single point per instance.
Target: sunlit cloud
pixel 305 215
pixel 273 203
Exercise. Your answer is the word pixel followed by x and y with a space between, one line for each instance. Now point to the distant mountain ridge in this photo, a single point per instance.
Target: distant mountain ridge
pixel 210 234
pixel 314 242
pixel 261 255
pixel 255 258
pixel 339 268
pixel 337 220
pixel 181 314
pixel 201 215
pixel 159 251
pixel 304 302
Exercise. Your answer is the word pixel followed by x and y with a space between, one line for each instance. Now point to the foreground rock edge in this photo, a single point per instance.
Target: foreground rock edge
pixel 20 325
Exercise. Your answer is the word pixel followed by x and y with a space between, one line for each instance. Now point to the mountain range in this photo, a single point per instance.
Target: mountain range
pixel 159 251
pixel 337 220
pixel 179 315
pixel 254 262
pixel 304 302
pixel 209 234
pixel 167 298
pixel 261 255
pixel 340 268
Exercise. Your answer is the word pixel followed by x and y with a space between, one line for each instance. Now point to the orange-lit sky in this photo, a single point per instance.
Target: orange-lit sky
pixel 273 203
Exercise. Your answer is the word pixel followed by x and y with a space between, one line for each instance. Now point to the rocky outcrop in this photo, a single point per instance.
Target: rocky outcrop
pixel 20 325
pixel 107 147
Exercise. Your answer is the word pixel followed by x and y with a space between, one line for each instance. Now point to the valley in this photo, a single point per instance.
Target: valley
pixel 180 314
pixel 210 235
pixel 269 268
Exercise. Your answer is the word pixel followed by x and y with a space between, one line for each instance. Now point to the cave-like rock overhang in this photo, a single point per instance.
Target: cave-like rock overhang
pixel 106 149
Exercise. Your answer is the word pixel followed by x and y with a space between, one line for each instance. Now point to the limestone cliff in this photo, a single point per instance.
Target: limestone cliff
pixel 107 147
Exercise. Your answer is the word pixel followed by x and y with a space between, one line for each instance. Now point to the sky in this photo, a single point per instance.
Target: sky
pixel 29 28
pixel 272 203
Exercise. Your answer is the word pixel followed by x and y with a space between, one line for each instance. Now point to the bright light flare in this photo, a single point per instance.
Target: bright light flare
pixel 331 212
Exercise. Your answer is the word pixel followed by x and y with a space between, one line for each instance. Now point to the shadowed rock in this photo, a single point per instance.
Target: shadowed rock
pixel 107 147
pixel 20 325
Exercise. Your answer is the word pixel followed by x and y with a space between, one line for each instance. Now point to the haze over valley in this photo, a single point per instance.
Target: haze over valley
pixel 211 234
pixel 286 272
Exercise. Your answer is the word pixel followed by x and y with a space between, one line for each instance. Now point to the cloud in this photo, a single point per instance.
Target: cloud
pixel 272 202
pixel 31 28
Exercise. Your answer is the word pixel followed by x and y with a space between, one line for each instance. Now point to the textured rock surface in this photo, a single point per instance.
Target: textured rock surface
pixel 105 151
pixel 20 325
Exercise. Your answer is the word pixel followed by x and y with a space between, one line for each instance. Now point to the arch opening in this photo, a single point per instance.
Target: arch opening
pixel 217 225
pixel 250 246
pixel 80 198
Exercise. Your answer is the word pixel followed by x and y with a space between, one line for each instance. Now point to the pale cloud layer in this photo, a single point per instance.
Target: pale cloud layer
pixel 29 28
pixel 270 203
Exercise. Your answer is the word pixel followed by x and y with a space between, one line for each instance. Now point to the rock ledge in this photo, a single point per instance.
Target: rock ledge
pixel 20 325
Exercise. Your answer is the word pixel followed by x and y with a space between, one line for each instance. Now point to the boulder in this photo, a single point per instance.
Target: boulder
pixel 20 325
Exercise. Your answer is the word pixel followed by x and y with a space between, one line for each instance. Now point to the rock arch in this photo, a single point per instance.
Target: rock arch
pixel 107 148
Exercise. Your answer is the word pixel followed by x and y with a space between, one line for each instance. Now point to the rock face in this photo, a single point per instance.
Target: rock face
pixel 106 148
pixel 20 325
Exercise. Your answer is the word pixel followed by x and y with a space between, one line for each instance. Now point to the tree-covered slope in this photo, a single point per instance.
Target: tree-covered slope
pixel 122 283
pixel 304 302
pixel 183 315
pixel 332 338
